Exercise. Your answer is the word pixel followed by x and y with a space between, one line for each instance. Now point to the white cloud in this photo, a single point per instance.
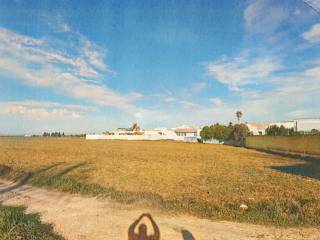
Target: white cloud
pixel 54 22
pixel 242 71
pixel 262 91
pixel 18 41
pixel 134 96
pixel 138 115
pixel 165 97
pixel 48 104
pixel 63 27
pixel 94 54
pixel 313 35
pixel 198 86
pixel 39 110
pixel 315 4
pixel 73 75
pixel 216 101
pixel 264 16
pixel 189 104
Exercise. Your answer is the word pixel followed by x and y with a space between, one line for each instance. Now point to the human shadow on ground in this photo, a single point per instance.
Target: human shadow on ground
pixel 68 169
pixel 26 177
pixel 142 230
pixel 300 156
pixel 187 235
pixel 142 233
pixel 308 169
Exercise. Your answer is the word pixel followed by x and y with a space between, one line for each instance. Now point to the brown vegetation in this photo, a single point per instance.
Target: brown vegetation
pixel 205 180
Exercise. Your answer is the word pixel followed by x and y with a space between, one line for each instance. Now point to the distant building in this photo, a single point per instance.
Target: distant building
pixel 190 134
pixel 185 131
pixel 307 124
pixel 257 128
pixel 182 133
pixel 299 125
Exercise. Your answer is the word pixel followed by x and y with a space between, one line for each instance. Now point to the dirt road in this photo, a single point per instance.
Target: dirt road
pixel 79 218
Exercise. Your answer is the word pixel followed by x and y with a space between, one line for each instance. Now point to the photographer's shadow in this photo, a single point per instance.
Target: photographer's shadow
pixel 142 233
pixel 187 235
pixel 142 230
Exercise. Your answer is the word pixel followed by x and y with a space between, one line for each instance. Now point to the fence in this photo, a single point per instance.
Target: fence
pixel 304 144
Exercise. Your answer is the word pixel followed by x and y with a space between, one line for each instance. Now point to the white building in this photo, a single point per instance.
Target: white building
pixel 182 133
pixel 258 128
pixel 307 124
pixel 300 125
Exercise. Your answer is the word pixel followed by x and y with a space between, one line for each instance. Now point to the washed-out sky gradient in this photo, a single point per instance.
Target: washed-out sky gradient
pixel 87 66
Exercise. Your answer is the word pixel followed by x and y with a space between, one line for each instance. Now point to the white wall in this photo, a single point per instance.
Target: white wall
pixel 308 124
pixel 132 137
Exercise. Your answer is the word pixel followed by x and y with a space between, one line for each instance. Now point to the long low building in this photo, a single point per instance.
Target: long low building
pixel 182 133
pixel 299 125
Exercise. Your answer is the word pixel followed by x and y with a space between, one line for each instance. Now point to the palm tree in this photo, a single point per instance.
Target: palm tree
pixel 239 115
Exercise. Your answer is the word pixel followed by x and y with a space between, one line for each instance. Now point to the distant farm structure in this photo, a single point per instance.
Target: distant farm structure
pixel 182 133
pixel 304 125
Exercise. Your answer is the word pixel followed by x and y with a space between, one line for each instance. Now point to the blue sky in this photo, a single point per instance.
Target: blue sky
pixel 88 66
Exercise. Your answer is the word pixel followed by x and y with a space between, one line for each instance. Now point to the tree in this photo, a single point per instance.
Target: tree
pixel 238 134
pixel 274 130
pixel 205 133
pixel 239 115
pixel 216 131
pixel 45 134
pixel 220 132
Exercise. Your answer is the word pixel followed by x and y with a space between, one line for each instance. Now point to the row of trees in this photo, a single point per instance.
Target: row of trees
pixel 58 134
pixel 236 134
pixel 233 134
pixel 230 134
pixel 53 134
pixel 275 130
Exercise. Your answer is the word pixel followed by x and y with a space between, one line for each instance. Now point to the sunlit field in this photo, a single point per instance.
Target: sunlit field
pixel 210 181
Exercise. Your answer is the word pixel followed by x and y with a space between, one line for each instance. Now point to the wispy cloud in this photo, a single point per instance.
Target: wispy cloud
pixel 37 63
pixel 49 104
pixel 55 23
pixel 313 34
pixel 314 4
pixel 243 70
pixel 216 101
pixel 40 110
pixel 264 16
pixel 278 21
pixel 197 87
pixel 261 92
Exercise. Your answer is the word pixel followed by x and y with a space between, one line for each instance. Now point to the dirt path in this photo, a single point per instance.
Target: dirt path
pixel 77 217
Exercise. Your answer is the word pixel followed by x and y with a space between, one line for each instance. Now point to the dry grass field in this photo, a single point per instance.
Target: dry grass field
pixel 209 181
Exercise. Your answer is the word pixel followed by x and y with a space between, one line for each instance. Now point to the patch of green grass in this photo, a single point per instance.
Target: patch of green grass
pixel 15 224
